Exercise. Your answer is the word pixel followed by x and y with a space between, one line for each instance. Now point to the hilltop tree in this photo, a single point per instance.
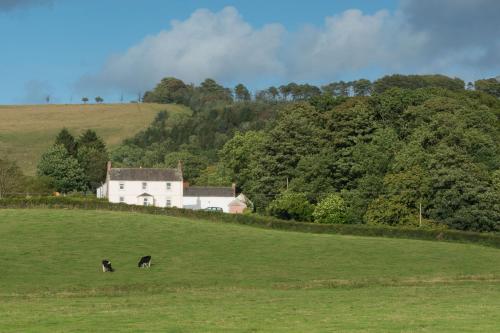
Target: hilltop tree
pixel 362 87
pixel 241 93
pixel 99 99
pixel 169 90
pixel 85 100
pixel 67 140
pixel 489 86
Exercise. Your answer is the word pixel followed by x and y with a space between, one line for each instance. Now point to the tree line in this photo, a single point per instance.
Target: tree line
pixel 405 150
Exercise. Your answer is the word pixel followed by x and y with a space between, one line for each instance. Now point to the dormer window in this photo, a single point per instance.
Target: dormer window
pixel 169 186
pixel 144 186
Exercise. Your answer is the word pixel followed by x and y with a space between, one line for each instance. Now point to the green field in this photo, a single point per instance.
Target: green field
pixel 214 277
pixel 26 131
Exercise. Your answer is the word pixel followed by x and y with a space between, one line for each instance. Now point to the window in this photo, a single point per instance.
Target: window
pixel 169 203
pixel 169 186
pixel 122 186
pixel 144 186
pixel 145 201
pixel 122 199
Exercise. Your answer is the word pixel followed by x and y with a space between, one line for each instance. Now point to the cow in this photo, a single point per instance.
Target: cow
pixel 106 266
pixel 145 262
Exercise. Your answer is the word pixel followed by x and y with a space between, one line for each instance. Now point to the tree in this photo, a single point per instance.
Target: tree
pixel 63 169
pixel 417 81
pixel 390 211
pixel 331 209
pixel 85 100
pixel 213 175
pixel 169 90
pixel 99 99
pixel 11 178
pixel 489 86
pixel 93 162
pixel 241 93
pixel 90 139
pixel 291 206
pixel 192 165
pixel 362 87
pixel 67 140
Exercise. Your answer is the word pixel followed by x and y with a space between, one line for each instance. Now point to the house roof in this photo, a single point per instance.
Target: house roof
pixel 145 174
pixel 202 191
pixel 144 195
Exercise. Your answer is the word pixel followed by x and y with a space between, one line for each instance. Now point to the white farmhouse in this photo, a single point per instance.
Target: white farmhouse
pixel 163 188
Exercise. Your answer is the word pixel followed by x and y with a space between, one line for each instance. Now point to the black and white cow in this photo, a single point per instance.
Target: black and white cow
pixel 106 266
pixel 144 262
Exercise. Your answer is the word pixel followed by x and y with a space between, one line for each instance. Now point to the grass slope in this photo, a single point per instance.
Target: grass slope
pixel 210 277
pixel 27 131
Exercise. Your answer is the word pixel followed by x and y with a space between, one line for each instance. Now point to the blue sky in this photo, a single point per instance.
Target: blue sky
pixel 69 48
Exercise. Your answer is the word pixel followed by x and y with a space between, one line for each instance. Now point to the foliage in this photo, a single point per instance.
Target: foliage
pixel 489 86
pixel 169 90
pixel 387 147
pixel 191 164
pixel 68 141
pixel 417 81
pixel 64 170
pixel 11 178
pixel 331 209
pixel 291 206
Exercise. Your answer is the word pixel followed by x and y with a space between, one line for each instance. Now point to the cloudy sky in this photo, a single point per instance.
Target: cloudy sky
pixel 71 48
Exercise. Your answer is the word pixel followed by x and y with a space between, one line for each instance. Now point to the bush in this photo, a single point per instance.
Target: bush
pixel 291 206
pixel 331 209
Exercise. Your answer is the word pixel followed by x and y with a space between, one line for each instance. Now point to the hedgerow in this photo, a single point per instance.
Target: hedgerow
pixel 488 239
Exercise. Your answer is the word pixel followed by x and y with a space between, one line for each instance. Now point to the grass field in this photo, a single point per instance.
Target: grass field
pixel 211 277
pixel 27 131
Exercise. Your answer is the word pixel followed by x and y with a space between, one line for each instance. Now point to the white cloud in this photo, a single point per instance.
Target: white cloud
pixel 419 37
pixel 217 45
pixel 351 42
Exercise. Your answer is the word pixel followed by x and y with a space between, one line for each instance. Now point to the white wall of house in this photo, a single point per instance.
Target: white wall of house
pixel 204 202
pixel 126 191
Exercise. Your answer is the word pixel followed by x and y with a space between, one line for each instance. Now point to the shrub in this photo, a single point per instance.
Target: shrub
pixel 331 209
pixel 291 206
pixel 389 211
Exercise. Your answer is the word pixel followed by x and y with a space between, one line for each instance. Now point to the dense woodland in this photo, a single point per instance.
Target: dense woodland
pixel 403 150
pixel 377 152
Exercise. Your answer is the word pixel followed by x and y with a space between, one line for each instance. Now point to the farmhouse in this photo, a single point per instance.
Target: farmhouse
pixel 165 188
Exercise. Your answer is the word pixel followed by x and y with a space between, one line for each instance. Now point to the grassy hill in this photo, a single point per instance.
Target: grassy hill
pixel 27 131
pixel 210 277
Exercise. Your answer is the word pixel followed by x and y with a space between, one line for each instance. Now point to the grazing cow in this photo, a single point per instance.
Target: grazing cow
pixel 144 262
pixel 106 266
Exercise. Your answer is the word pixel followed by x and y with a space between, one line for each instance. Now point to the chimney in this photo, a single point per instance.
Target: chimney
pixel 108 166
pixel 185 184
pixel 233 186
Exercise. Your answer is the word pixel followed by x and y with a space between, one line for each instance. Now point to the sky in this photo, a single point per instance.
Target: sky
pixel 117 49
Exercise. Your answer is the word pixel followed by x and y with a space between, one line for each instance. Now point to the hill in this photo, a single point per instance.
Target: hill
pixel 27 131
pixel 210 277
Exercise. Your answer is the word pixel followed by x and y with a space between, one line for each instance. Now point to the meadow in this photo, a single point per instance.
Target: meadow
pixel 215 277
pixel 26 131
